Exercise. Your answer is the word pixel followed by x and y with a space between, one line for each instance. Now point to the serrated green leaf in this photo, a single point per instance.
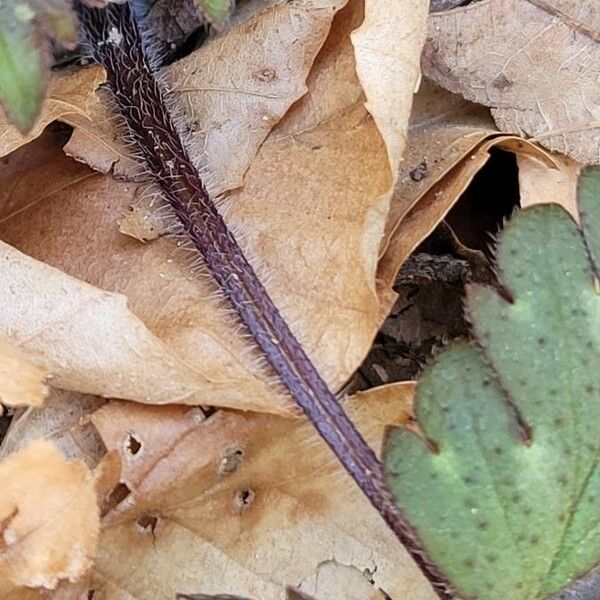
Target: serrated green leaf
pixel 215 11
pixel 508 507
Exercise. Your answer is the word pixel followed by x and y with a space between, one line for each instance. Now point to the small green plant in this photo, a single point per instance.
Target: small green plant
pixel 24 25
pixel 504 487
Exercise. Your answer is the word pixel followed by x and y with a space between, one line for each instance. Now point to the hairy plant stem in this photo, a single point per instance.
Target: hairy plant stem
pixel 118 46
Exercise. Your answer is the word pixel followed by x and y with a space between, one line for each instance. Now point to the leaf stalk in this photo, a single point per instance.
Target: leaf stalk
pixel 119 46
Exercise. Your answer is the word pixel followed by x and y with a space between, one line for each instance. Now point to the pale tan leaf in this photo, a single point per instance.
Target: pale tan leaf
pixel 232 91
pixel 310 217
pixel 496 52
pixel 333 580
pixel 21 381
pixel 103 348
pixel 539 183
pixel 62 421
pixel 581 15
pixel 247 504
pixel 387 65
pixel 443 129
pixel 70 96
pixel 388 70
pixel 49 519
pixel 91 341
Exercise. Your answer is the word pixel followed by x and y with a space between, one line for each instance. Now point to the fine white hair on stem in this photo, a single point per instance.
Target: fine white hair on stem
pixel 146 107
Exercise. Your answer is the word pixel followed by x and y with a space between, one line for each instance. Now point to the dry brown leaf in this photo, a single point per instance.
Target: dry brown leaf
pixel 385 64
pixel 49 519
pixel 539 183
pixel 232 91
pixel 70 95
pixel 431 208
pixel 449 140
pixel 88 337
pixel 333 580
pixel 62 421
pixel 21 381
pixel 583 15
pixel 310 217
pixel 93 343
pixel 245 504
pixel 496 52
pixel 443 129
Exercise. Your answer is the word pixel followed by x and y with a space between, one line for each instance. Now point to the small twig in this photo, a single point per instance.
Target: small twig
pixel 119 47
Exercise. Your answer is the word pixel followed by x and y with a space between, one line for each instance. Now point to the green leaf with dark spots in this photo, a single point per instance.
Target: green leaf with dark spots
pixel 21 64
pixel 508 504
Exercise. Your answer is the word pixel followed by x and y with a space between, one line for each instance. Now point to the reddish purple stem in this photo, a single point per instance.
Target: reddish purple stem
pixel 118 46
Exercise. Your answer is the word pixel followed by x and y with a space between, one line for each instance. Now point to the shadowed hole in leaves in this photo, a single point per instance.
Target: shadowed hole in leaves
pixel 231 461
pixel 132 445
pixel 118 494
pixel 429 310
pixel 147 523
pixel 243 499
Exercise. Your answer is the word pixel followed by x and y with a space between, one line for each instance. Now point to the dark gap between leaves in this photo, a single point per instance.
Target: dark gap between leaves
pixel 147 523
pixel 429 311
pixel 487 203
pixel 118 494
pixel 5 420
pixel 133 445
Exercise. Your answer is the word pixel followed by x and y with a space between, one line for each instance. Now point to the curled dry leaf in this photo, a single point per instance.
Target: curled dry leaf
pixel 449 142
pixel 496 52
pixel 386 70
pixel 310 217
pixel 424 216
pixel 232 92
pixel 444 129
pixel 68 95
pixel 21 381
pixel 62 420
pixel 49 519
pixel 246 504
pixel 23 53
pixel 540 183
